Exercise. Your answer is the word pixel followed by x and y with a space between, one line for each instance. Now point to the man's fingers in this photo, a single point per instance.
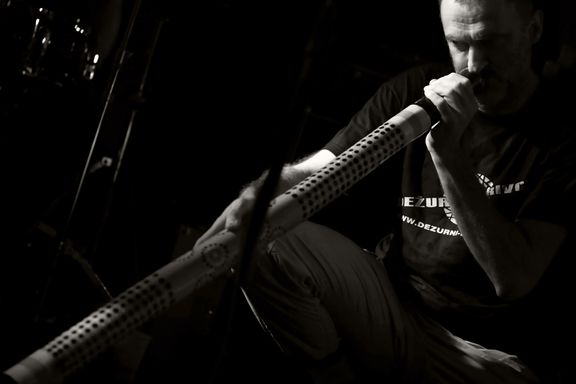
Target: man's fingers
pixel 455 86
pixel 436 99
pixel 232 218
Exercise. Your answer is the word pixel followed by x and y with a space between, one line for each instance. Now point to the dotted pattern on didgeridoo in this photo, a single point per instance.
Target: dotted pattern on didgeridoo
pixel 319 189
pixel 79 344
pixel 212 256
pixel 268 234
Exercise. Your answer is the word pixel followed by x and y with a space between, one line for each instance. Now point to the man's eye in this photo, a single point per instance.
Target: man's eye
pixel 459 45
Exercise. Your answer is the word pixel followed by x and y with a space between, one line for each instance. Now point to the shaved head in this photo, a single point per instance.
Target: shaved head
pixel 524 7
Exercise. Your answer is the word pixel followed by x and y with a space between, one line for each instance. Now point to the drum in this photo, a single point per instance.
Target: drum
pixel 14 20
pixel 47 44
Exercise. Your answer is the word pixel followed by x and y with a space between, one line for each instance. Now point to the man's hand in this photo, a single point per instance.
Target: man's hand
pixel 454 98
pixel 235 215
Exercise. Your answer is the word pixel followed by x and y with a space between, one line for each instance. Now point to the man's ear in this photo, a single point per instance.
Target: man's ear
pixel 536 26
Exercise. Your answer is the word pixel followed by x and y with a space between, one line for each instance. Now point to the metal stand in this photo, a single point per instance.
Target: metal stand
pixel 64 248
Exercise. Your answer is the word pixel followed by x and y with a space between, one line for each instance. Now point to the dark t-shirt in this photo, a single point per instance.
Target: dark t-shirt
pixel 526 164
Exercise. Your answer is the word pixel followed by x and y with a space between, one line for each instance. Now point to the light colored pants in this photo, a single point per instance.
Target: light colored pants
pixel 321 294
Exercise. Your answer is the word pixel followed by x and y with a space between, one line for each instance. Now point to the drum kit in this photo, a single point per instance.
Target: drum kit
pixel 57 83
pixel 44 44
pixel 49 70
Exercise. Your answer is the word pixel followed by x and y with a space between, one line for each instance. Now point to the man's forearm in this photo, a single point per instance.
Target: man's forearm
pixel 498 244
pixel 294 173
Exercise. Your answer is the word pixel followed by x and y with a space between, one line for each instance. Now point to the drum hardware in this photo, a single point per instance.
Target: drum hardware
pixel 68 249
pixel 91 65
pixel 91 165
pixel 105 162
pixel 56 47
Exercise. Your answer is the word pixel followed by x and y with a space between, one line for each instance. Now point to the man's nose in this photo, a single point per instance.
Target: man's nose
pixel 476 59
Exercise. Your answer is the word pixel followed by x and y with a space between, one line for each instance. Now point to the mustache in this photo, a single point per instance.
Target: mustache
pixel 484 76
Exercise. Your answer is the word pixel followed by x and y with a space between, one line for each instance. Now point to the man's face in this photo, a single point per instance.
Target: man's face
pixel 491 38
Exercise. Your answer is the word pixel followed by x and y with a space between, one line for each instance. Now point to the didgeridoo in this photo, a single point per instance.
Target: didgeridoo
pixel 182 277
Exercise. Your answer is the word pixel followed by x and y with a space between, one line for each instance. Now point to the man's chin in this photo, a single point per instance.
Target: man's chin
pixel 490 102
pixel 492 96
pixel 486 109
pixel 489 108
pixel 485 105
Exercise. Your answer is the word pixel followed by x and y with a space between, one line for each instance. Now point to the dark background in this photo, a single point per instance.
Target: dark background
pixel 190 101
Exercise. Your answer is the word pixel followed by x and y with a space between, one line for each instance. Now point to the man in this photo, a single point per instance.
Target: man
pixel 479 235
